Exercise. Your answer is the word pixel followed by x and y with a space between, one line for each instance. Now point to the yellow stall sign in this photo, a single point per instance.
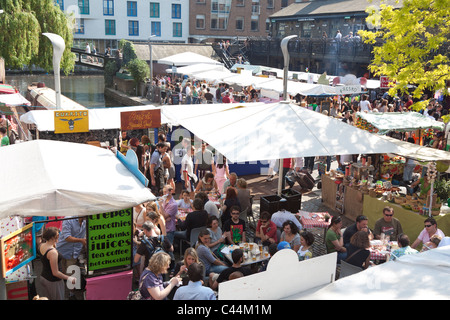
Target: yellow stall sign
pixel 71 121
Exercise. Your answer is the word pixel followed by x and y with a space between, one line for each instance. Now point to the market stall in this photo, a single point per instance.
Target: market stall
pixel 61 179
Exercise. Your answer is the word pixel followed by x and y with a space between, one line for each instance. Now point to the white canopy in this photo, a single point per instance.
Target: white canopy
pixel 53 178
pixel 423 276
pixel 14 99
pixel 256 132
pixel 198 67
pixel 245 80
pixel 294 87
pixel 187 59
pixel 420 153
pixel 212 75
pixel 99 118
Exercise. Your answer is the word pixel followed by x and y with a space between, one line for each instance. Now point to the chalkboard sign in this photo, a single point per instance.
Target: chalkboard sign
pixel 325 105
pixel 110 240
pixel 175 99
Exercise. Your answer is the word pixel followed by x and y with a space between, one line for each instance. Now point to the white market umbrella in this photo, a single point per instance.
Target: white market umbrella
pixel 54 178
pixel 186 59
pixel 257 132
pixel 198 67
pixel 212 75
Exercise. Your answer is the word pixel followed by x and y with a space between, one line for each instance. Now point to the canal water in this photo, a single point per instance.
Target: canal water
pixel 87 90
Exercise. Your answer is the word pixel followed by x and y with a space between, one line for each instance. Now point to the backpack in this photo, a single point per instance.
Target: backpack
pixel 152 249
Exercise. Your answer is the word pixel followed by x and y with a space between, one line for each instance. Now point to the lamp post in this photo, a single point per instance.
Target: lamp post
pixel 151 59
pixel 284 49
pixel 58 50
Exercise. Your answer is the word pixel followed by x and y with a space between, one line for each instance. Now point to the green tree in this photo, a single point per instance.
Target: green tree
pixel 22 24
pixel 128 51
pixel 139 69
pixel 411 45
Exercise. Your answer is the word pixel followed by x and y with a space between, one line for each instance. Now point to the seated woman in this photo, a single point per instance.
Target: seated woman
pixel 213 265
pixel 152 285
pixel 230 201
pixel 290 234
pixel 306 241
pixel 358 253
pixel 334 241
pixel 207 183
pixel 217 236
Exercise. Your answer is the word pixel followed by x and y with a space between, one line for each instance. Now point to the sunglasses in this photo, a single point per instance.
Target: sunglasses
pixel 428 225
pixel 388 215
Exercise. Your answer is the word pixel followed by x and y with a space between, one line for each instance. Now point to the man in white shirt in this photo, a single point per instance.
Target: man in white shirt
pixel 281 216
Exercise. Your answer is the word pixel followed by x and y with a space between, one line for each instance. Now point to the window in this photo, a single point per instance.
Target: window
pixel 284 3
pixel 240 3
pixel 110 27
pixel 270 4
pixel 177 29
pixel 108 7
pixel 60 3
pixel 83 5
pixel 254 25
pixel 240 23
pixel 200 21
pixel 79 26
pixel 154 9
pixel 132 8
pixel 176 11
pixel 133 28
pixel 156 28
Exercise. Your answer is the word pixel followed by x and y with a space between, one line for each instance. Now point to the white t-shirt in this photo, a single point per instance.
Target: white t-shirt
pixel 187 165
pixel 365 105
pixel 183 205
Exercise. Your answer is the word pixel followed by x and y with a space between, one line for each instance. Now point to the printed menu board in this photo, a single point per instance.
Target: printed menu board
pixel 109 240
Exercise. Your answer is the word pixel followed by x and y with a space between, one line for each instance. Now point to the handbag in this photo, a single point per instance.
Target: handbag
pixel 137 295
pixel 348 258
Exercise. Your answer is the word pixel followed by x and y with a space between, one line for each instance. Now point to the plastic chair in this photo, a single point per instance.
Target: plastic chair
pixel 348 269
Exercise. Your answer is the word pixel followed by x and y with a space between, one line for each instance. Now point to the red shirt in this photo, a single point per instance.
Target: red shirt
pixel 287 163
pixel 270 231
pixel 226 99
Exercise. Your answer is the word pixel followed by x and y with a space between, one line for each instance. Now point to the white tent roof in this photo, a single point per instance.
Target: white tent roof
pixel 212 75
pixel 424 276
pixel 186 59
pixel 199 67
pixel 420 153
pixel 14 99
pixel 252 132
pixel 294 87
pixel 245 80
pixel 54 178
pixel 99 118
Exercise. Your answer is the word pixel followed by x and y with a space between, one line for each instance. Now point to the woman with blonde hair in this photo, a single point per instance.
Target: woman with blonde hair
pixel 152 285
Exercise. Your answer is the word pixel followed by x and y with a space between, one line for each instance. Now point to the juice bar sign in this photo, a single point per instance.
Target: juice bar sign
pixel 109 238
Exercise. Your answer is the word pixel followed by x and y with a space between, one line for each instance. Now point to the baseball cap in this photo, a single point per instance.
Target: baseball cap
pixel 283 245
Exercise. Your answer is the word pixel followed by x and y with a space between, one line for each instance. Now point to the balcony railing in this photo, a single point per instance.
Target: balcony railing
pixel 319 48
